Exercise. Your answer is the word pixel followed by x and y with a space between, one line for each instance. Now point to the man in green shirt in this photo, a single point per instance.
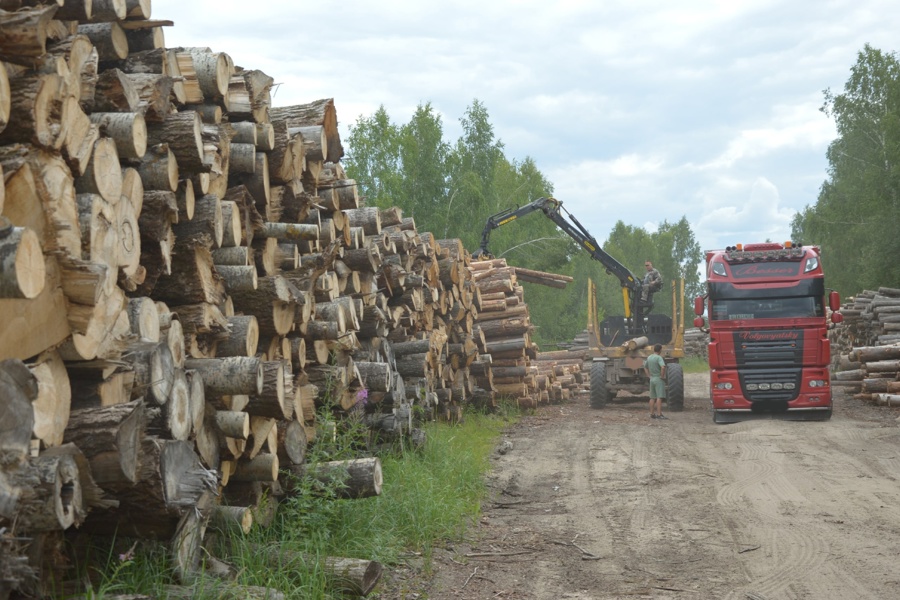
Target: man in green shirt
pixel 655 368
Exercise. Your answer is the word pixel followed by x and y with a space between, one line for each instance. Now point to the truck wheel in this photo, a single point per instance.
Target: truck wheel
pixel 674 387
pixel 599 391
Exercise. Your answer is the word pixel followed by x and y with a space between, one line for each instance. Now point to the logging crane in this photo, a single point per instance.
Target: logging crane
pixel 618 344
pixel 636 309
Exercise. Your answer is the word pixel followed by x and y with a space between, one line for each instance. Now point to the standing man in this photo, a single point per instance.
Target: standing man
pixel 652 281
pixel 655 368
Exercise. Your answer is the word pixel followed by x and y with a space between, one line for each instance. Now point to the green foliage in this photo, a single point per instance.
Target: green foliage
pixel 428 497
pixel 855 217
pixel 373 159
pixel 451 190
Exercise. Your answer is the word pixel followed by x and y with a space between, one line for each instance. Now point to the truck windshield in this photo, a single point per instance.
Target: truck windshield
pixel 767 308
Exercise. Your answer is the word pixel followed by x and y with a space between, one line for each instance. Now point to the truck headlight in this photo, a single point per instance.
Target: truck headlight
pixel 811 264
pixel 724 386
pixel 817 383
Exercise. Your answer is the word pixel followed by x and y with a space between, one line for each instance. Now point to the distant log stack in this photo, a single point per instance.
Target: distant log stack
pixel 866 348
pixel 509 364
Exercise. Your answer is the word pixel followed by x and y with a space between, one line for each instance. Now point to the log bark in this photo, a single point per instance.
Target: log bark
pixel 171 482
pixel 356 478
pixel 206 228
pixel 23 34
pixel 110 439
pixel 182 132
pixel 51 496
pixel 242 337
pixel 228 376
pixel 18 389
pixel 128 131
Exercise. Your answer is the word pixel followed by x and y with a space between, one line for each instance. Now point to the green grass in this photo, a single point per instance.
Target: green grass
pixel 429 495
pixel 694 364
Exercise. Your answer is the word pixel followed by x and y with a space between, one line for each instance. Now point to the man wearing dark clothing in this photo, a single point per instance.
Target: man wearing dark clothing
pixel 652 281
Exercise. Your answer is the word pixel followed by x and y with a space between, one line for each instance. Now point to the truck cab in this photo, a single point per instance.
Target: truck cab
pixel 769 352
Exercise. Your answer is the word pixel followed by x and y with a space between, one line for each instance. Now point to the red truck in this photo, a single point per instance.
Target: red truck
pixel 769 352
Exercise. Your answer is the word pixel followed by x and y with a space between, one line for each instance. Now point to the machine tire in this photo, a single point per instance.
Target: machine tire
pixel 599 391
pixel 674 387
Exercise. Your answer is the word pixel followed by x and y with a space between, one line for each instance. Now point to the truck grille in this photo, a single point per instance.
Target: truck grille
pixel 769 378
pixel 779 348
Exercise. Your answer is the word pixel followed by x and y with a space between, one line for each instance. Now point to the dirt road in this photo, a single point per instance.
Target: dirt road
pixel 599 504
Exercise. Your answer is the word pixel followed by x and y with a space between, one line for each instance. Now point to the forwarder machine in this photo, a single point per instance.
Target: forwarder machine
pixel 618 345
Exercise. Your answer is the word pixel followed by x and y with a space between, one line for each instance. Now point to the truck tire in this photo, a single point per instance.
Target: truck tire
pixel 674 387
pixel 599 391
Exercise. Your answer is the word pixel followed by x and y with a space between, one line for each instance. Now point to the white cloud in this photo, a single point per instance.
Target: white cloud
pixel 639 111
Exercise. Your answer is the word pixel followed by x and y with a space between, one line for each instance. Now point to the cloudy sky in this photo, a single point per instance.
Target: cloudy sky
pixel 640 111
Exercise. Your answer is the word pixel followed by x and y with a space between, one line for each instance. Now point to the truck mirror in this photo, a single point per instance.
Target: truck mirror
pixel 834 301
pixel 698 322
pixel 837 317
pixel 698 305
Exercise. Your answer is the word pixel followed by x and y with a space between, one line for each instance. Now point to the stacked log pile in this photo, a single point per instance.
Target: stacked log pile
pixel 509 362
pixel 696 343
pixel 187 275
pixel 866 347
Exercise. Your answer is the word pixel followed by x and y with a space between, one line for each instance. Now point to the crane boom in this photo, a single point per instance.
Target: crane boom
pixel 635 308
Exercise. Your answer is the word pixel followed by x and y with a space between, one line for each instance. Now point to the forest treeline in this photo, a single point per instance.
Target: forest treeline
pixel 856 218
pixel 451 189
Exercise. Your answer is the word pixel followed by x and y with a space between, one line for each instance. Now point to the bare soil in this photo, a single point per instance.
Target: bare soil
pixel 597 504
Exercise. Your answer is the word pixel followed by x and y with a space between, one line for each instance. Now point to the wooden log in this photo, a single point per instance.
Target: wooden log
pixel 173 421
pixel 110 439
pixel 154 369
pixel 875 353
pixel 263 467
pixel 291 442
pixel 23 34
pixel 242 337
pixel 18 389
pixel 51 495
pixel 171 481
pixel 232 518
pixel 108 38
pixel 154 93
pixel 229 376
pixel 22 269
pixel 37 111
pixel 148 36
pixel 206 228
pixel 193 279
pixel 182 132
pixel 160 211
pixel 273 302
pixel 53 402
pixel 224 591
pixel 159 169
pixel 233 423
pixel 356 478
pixel 214 71
pixel 127 130
pixel 351 577
pixel 320 112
